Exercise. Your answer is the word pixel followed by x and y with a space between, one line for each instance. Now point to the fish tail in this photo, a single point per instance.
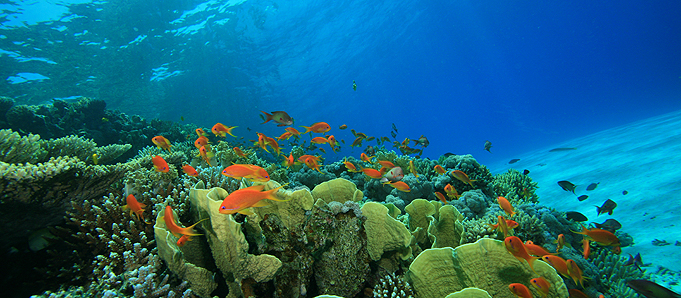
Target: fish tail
pixel 189 231
pixel 267 117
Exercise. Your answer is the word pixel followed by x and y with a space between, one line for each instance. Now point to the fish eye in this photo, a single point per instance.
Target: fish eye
pixel 223 207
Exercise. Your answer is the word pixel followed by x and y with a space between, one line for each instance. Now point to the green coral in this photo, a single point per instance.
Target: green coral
pixel 612 274
pixel 420 214
pixel 515 187
pixel 446 230
pixel 339 190
pixel 485 264
pixel 17 149
pixel 470 293
pixel 384 233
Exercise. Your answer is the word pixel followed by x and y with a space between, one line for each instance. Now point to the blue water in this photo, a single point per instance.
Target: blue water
pixel 520 74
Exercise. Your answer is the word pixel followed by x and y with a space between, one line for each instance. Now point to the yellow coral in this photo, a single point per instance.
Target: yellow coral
pixel 384 233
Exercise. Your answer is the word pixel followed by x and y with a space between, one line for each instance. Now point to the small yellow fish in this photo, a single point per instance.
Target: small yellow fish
pixel 104 119
pixel 95 158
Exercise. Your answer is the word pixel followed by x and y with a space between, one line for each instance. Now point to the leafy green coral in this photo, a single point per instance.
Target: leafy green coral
pixel 17 149
pixel 384 233
pixel 613 275
pixel 515 187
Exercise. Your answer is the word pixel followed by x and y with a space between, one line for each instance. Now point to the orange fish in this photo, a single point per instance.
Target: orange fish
pixel 161 142
pixel 289 161
pixel 332 142
pixel 201 133
pixel 351 167
pixel 440 196
pixel 451 192
pixel 183 240
pixel 400 185
pixel 506 205
pixel 586 248
pixel 135 207
pixel 240 153
pixel 319 127
pixel 541 284
pixel 516 247
pixel 557 263
pixel 343 127
pixel 221 130
pixel 520 290
pixel 365 158
pixel 461 176
pixel 175 229
pixel 600 236
pixel 206 153
pixel 412 169
pixel 439 169
pixel 284 136
pixel 319 140
pixel 574 293
pixel 372 173
pixel 252 172
pixel 386 164
pixel 189 170
pixel 281 117
pixel 575 272
pixel 560 242
pixel 240 200
pixel 293 131
pixel 160 164
pixel 501 226
pixel 357 142
pixel 310 161
pixel 201 141
pixel 536 250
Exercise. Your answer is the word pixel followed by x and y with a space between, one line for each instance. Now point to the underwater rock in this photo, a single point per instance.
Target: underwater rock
pixel 485 264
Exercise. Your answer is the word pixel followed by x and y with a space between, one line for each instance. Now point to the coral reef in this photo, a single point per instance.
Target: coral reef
pixel 392 286
pixel 515 187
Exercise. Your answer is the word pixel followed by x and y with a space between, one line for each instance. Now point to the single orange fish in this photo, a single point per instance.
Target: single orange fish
pixel 189 170
pixel 201 133
pixel 440 196
pixel 135 207
pixel 351 167
pixel 439 169
pixel 332 142
pixel 240 200
pixel 501 226
pixel 357 142
pixel 206 152
pixel 560 242
pixel 412 168
pixel 600 236
pixel 248 171
pixel 365 158
pixel 557 263
pixel 289 161
pixel 536 250
pixel 161 142
pixel 451 192
pixel 520 290
pixel 221 130
pixel 372 173
pixel 160 164
pixel 280 117
pixel 174 228
pixel 319 127
pixel 586 248
pixel 506 206
pixel 386 164
pixel 183 240
pixel 575 272
pixel 273 143
pixel 201 141
pixel 284 136
pixel 293 131
pixel 400 185
pixel 574 293
pixel 240 153
pixel 516 247
pixel 319 140
pixel 343 127
pixel 461 176
pixel 541 284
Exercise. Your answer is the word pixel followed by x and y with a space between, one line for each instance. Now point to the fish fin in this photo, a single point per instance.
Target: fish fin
pixel 246 211
pixel 261 203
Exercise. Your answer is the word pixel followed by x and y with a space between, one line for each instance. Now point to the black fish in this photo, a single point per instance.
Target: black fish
pixel 526 171
pixel 392 133
pixel 394 128
pixel 624 192
pixel 650 289
pixel 448 154
pixel 635 260
pixel 611 225
pixel 607 207
pixel 592 186
pixel 562 149
pixel 576 216
pixel 582 197
pixel 488 145
pixel 512 161
pixel 567 186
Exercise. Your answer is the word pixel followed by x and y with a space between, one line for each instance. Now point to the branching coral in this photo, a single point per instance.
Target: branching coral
pixel 17 149
pixel 515 187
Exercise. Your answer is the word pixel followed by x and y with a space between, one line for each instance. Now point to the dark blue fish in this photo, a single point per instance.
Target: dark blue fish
pixel 562 149
pixel 650 289
pixel 582 197
pixel 607 207
pixel 592 186
pixel 512 161
pixel 576 216
pixel 611 225
pixel 567 186
pixel 526 171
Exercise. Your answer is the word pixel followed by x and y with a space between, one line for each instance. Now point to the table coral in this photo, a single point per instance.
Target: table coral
pixel 339 190
pixel 384 233
pixel 485 264
pixel 446 229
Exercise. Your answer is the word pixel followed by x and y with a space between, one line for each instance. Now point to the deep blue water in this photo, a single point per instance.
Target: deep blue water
pixel 521 74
